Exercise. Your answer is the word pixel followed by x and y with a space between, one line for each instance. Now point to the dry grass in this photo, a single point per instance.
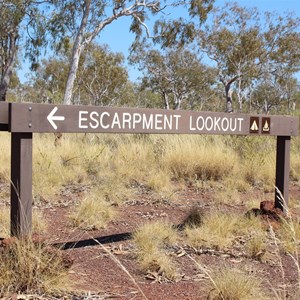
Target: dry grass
pixel 289 235
pixel 5 156
pixel 254 233
pixel 295 159
pixel 227 283
pixel 154 235
pixel 257 159
pixel 115 165
pixel 115 162
pixel 217 231
pixel 227 195
pixel 31 268
pixel 190 157
pixel 256 246
pixel 62 165
pixel 39 224
pixel 152 240
pixel 295 167
pixel 93 212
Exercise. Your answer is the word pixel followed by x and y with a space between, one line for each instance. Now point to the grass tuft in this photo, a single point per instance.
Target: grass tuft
pixel 152 240
pixel 39 224
pixel 232 284
pixel 93 212
pixel 206 159
pixel 217 231
pixel 30 267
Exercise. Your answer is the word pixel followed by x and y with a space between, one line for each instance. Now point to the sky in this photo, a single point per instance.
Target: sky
pixel 119 39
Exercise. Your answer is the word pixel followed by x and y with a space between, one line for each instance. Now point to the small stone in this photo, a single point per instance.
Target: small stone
pixel 267 206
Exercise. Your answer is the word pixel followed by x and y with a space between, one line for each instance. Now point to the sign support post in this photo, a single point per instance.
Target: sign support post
pixel 21 184
pixel 282 171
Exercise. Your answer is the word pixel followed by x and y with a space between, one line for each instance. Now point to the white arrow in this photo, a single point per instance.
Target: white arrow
pixel 51 118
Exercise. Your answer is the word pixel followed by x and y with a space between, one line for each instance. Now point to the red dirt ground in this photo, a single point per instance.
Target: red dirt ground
pixel 98 275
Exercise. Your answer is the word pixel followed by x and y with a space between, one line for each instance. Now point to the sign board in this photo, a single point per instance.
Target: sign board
pixel 23 119
pixel 94 119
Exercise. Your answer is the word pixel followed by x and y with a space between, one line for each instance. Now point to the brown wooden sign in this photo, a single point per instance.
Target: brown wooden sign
pixel 94 119
pixel 23 119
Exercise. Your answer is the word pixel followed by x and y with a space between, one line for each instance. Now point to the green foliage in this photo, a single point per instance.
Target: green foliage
pixel 180 32
pixel 14 14
pixel 178 76
pixel 85 21
pixel 102 79
pixel 249 54
pixel 102 76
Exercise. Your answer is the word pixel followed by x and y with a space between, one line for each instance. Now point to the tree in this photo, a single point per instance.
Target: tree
pixel 178 76
pixel 246 45
pixel 13 15
pixel 275 94
pixel 49 78
pixel 84 20
pixel 101 75
pixel 101 78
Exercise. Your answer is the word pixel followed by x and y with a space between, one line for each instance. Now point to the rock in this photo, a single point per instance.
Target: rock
pixel 267 206
pixel 267 211
pixel 7 242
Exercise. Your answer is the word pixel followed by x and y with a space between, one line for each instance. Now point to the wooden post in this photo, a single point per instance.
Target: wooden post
pixel 282 171
pixel 21 184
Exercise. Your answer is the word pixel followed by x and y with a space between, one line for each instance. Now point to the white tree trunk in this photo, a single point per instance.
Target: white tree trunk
pixel 78 47
pixel 72 74
pixel 166 101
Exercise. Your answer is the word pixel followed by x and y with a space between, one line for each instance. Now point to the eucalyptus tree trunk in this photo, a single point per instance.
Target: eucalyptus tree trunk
pixel 77 50
pixel 228 92
pixel 166 101
pixel 8 69
pixel 72 74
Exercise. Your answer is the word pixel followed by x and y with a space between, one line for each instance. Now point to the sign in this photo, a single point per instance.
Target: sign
pixel 27 117
pixel 266 124
pixel 23 119
pixel 51 118
pixel 254 125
